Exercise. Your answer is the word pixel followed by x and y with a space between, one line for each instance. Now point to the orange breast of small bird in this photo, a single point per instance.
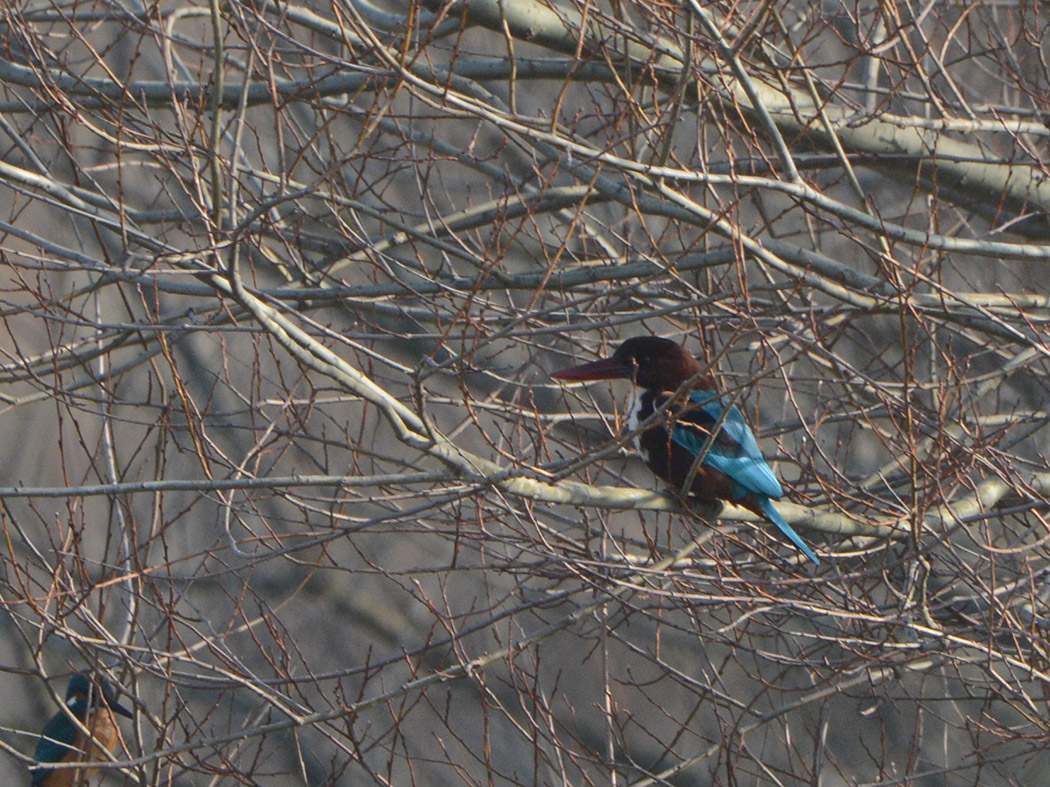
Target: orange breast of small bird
pixel 105 734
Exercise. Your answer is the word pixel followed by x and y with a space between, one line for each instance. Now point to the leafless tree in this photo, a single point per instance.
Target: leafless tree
pixel 284 284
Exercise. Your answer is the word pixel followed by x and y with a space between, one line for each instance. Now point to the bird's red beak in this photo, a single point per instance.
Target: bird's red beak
pixel 605 369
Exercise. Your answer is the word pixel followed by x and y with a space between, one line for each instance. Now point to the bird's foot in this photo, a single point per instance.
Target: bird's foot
pixel 705 509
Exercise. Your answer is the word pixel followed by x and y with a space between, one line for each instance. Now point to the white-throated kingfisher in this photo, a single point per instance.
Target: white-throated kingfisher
pixel 699 424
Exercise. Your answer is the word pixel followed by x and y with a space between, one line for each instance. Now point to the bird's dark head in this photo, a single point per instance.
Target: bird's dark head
pixel 93 693
pixel 648 361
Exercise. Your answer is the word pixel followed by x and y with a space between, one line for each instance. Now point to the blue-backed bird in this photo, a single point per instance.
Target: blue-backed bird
pixel 93 702
pixel 698 425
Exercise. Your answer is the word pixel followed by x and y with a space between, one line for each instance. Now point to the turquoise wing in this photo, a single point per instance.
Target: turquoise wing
pixel 734 450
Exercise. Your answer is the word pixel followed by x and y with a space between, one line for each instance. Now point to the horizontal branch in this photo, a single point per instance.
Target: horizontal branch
pixel 996 189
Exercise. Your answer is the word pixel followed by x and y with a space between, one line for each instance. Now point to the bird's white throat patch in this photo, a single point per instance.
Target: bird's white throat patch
pixel 633 416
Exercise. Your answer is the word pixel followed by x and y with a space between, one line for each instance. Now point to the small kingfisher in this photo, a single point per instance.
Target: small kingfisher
pixel 93 703
pixel 667 378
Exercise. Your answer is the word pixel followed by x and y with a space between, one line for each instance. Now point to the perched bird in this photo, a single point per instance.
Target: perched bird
pixel 667 378
pixel 93 703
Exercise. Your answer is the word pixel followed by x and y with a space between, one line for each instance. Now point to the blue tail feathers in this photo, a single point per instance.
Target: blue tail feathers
pixel 771 513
